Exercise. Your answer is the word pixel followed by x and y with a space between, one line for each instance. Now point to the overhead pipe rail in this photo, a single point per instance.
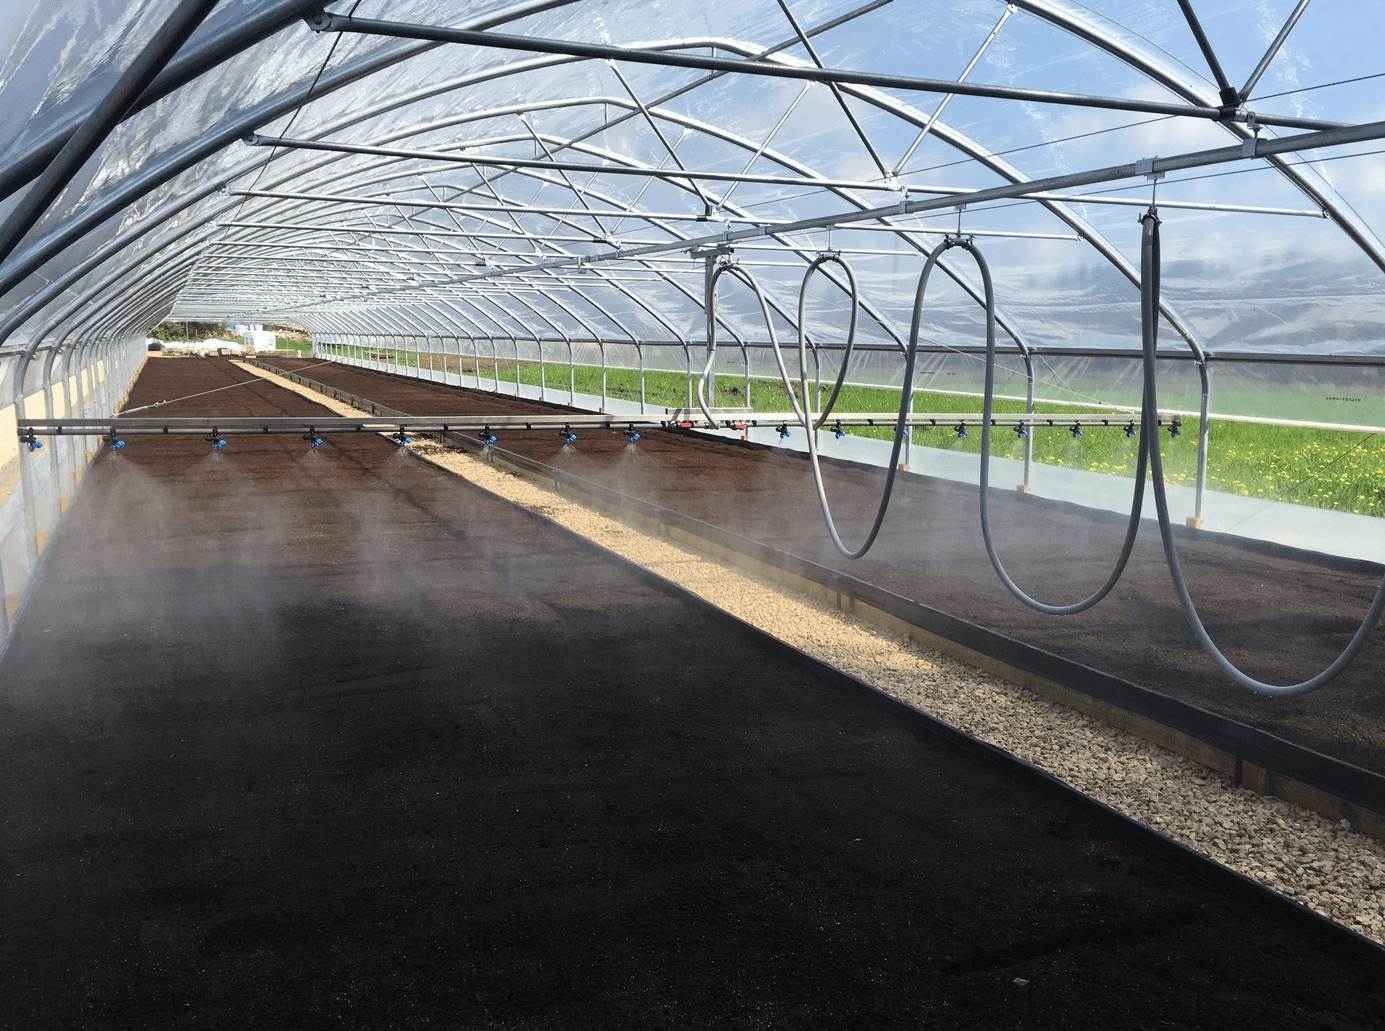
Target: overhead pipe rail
pixel 328 22
pixel 1151 168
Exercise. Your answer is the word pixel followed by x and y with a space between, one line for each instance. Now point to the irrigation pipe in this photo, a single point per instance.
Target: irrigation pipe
pixel 826 410
pixel 1149 319
pixel 810 424
pixel 901 427
pixel 722 269
pixel 1148 421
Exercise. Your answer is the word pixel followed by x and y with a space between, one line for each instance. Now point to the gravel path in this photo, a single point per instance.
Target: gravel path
pixel 1326 866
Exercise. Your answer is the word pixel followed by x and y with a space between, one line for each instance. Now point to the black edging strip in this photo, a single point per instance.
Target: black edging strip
pixel 1353 784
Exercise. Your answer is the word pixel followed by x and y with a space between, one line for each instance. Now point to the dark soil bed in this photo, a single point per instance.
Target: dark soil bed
pixel 1280 615
pixel 296 738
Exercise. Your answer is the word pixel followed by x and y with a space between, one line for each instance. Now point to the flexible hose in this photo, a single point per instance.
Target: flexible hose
pixel 813 266
pixel 1132 526
pixel 711 305
pixel 1149 318
pixel 901 421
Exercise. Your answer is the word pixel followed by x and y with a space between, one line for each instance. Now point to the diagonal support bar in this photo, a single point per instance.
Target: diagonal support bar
pixel 1273 49
pixel 1229 96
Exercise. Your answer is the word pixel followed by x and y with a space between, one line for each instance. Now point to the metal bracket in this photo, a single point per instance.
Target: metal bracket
pixel 1250 147
pixel 716 250
pixel 1145 167
pixel 315 15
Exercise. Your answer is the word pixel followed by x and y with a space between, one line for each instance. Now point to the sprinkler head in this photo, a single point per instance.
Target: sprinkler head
pixel 1130 428
pixel 117 444
pixel 313 439
pixel 1021 431
pixel 568 436
pixel 783 431
pixel 1175 428
pixel 961 430
pixel 218 443
pixel 35 444
pixel 632 435
pixel 837 431
pixel 487 437
pixel 1076 430
pixel 403 439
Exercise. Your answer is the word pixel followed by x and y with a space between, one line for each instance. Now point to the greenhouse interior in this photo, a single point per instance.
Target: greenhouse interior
pixel 760 514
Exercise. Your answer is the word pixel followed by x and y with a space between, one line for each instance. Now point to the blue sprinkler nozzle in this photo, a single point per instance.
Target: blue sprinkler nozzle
pixel 218 443
pixel 487 437
pixel 1130 428
pixel 632 435
pixel 1076 430
pixel 316 442
pixel 837 431
pixel 1021 431
pixel 783 430
pixel 961 430
pixel 117 444
pixel 35 444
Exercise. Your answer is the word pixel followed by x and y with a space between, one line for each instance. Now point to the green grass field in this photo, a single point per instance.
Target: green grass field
pixel 1336 469
pixel 303 347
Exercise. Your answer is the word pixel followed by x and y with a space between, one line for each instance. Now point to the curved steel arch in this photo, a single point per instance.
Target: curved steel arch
pixel 954 138
pixel 1054 13
pixel 1308 182
pixel 672 177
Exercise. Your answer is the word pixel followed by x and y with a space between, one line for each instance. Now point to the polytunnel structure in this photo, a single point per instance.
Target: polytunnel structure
pixel 1045 334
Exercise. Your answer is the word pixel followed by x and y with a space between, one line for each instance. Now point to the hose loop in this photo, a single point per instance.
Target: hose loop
pixel 1132 526
pixel 901 421
pixel 727 268
pixel 828 258
pixel 1150 267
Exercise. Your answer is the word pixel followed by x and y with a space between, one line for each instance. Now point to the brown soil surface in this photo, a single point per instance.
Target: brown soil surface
pixel 296 738
pixel 1280 615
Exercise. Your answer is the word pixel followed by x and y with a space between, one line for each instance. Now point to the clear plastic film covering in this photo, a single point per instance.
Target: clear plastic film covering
pixel 176 215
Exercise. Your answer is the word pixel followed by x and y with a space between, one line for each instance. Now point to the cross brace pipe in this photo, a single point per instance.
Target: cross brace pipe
pixel 1255 147
pixel 702 216
pixel 327 22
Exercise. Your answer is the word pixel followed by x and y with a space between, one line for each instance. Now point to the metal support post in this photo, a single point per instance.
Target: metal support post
pixel 1203 428
pixel 1025 486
